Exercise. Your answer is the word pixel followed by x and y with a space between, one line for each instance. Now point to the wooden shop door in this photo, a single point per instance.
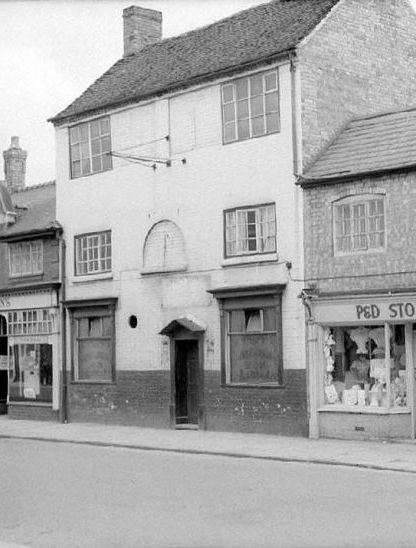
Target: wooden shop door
pixel 186 381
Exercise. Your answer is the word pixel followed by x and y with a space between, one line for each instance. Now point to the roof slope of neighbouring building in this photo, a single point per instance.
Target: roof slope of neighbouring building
pixel 248 37
pixel 35 207
pixel 368 145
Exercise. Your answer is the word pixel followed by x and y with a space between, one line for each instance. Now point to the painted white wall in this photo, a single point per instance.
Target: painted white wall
pixel 131 198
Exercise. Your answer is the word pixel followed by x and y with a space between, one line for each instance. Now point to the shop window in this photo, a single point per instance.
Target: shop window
pixel 93 253
pixel 93 343
pixel 30 322
pixel 365 367
pixel 30 372
pixel 252 338
pixel 90 147
pixel 250 230
pixel 25 258
pixel 359 224
pixel 250 106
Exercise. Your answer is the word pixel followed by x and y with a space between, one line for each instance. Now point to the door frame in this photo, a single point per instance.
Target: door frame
pixel 183 334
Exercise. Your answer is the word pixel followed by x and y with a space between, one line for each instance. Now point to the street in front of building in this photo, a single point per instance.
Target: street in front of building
pixel 69 495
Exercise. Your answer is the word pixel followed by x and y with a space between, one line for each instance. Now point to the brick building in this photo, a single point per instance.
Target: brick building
pixel 360 263
pixel 185 256
pixel 29 293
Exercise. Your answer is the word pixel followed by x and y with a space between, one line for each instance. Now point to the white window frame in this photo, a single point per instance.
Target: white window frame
pixel 93 252
pixel 237 233
pixel 230 105
pixel 83 144
pixel 358 230
pixel 36 321
pixel 32 264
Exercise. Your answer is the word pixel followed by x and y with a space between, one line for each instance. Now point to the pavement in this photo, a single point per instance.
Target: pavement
pixel 377 455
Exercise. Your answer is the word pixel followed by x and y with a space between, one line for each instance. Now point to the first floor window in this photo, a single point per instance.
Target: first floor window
pixel 93 343
pixel 90 147
pixel 359 224
pixel 365 366
pixel 250 230
pixel 93 253
pixel 25 258
pixel 252 338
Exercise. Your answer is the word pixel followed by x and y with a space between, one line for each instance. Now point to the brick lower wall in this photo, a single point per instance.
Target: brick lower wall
pixel 32 412
pixel 143 398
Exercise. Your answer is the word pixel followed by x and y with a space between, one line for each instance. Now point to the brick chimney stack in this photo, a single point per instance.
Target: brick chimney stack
pixel 141 27
pixel 15 166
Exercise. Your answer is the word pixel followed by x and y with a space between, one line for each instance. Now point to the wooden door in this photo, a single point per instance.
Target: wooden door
pixel 186 382
pixel 192 388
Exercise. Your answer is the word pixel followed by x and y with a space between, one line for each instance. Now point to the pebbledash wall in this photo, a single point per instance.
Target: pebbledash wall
pixel 129 199
pixel 357 62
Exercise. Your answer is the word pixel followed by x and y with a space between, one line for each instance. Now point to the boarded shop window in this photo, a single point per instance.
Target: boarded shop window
pixel 359 224
pixel 93 344
pixel 250 230
pixel 164 248
pixel 252 333
pixel 93 253
pixel 25 258
pixel 90 147
pixel 250 106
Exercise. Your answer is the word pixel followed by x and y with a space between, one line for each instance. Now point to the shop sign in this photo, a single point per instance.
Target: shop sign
pixel 29 339
pixel 394 310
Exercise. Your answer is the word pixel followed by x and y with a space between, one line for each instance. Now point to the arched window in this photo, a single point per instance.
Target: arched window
pixel 164 248
pixel 359 224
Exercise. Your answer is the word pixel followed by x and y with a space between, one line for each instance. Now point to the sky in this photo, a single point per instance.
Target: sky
pixel 52 50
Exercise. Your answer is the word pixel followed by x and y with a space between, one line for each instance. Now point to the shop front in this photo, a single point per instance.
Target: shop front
pixel 30 327
pixel 361 366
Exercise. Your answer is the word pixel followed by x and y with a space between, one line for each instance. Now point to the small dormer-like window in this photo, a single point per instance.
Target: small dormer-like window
pixel 359 224
pixel 25 258
pixel 250 106
pixel 90 147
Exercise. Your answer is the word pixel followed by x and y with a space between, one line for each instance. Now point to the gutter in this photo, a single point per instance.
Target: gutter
pixel 36 233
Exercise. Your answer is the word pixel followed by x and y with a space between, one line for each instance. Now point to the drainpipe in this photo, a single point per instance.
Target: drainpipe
pixel 64 380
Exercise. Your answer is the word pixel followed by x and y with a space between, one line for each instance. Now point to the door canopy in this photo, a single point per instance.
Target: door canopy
pixel 186 322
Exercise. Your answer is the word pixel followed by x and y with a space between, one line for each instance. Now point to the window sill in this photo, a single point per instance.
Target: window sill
pixel 92 278
pixel 364 410
pixel 249 259
pixel 245 385
pixel 93 382
pixel 377 250
pixel 160 270
pixel 31 403
pixel 17 277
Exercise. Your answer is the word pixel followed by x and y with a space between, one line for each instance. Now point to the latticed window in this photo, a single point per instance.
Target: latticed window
pixel 25 258
pixel 250 106
pixel 90 145
pixel 250 230
pixel 93 253
pixel 359 225
pixel 30 322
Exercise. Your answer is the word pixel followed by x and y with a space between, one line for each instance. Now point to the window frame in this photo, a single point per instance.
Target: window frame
pixel 103 308
pixel 224 103
pixel 89 235
pixel 356 200
pixel 256 297
pixel 90 156
pixel 32 272
pixel 238 241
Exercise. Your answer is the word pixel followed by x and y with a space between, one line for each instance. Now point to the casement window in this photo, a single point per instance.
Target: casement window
pixel 359 224
pixel 93 253
pixel 93 342
pixel 251 329
pixel 250 106
pixel 30 322
pixel 25 258
pixel 250 230
pixel 90 147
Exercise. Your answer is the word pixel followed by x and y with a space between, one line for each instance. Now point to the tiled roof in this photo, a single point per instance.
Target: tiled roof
pixel 247 37
pixel 36 210
pixel 373 144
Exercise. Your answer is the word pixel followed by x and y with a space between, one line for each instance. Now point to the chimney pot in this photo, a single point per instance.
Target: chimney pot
pixel 141 27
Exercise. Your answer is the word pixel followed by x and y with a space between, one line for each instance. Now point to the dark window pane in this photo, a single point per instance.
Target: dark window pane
pixel 270 81
pixel 272 102
pixel 256 83
pixel 272 122
pixel 83 131
pixel 74 134
pixel 229 113
pixel 105 125
pixel 76 169
pixel 269 319
pixel 107 163
pixel 229 132
pixel 242 109
pixel 228 93
pixel 105 144
pixel 95 147
pixel 258 125
pixel 86 167
pixel 242 88
pixel 243 129
pixel 256 104
pixel 237 321
pixel 96 164
pixel 95 129
pixel 75 152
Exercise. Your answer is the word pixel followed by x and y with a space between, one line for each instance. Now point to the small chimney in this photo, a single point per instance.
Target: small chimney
pixel 141 28
pixel 14 166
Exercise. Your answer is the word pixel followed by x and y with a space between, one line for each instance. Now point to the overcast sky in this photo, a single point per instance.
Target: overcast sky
pixel 52 50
